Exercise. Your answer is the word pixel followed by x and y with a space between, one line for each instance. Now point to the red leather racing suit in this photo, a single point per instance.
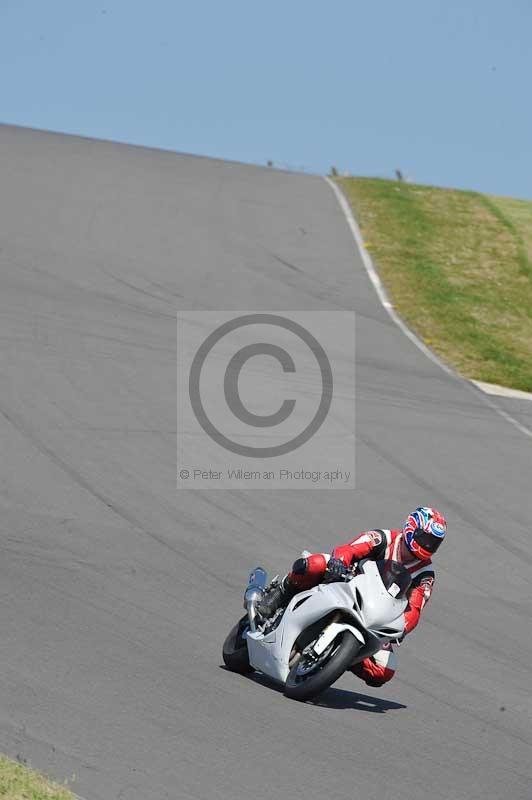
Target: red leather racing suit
pixel 377 545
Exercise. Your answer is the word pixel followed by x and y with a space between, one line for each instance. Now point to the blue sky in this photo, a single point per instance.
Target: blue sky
pixel 441 90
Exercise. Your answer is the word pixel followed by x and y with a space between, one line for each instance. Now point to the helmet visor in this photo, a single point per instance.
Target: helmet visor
pixel 426 540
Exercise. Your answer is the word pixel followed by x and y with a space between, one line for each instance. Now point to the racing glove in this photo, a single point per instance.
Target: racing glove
pixel 336 569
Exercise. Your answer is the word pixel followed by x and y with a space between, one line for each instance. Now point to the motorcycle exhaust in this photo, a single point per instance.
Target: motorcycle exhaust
pixel 256 585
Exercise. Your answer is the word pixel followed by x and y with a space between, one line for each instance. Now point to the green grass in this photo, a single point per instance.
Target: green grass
pixel 458 268
pixel 20 783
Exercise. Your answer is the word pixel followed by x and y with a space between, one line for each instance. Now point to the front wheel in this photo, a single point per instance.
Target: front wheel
pixel 235 649
pixel 313 674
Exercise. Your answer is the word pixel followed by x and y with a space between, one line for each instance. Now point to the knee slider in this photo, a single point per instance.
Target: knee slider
pixel 377 669
pixel 386 661
pixel 300 566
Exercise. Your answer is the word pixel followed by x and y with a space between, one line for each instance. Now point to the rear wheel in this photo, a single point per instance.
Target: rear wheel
pixel 235 649
pixel 313 674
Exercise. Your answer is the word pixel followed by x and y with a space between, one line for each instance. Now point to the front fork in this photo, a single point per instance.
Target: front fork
pixel 254 593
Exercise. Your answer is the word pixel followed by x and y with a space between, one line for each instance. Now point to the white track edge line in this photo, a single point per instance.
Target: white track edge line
pixel 502 391
pixel 385 302
pixel 376 281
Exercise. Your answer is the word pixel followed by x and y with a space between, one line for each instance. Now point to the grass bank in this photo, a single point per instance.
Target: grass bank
pixel 20 783
pixel 458 268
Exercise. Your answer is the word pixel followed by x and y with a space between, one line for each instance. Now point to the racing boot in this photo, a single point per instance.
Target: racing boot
pixel 277 598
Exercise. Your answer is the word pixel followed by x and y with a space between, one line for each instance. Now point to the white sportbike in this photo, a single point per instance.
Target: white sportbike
pixel 322 631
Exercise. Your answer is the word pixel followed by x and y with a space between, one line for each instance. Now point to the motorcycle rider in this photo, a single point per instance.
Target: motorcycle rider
pixel 413 546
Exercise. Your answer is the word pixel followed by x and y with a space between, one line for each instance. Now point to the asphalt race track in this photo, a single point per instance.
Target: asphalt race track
pixel 117 590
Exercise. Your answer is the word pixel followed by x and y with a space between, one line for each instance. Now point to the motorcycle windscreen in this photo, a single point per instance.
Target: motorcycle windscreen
pixel 395 578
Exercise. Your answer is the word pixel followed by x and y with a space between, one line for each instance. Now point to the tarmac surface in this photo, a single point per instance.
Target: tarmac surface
pixel 117 590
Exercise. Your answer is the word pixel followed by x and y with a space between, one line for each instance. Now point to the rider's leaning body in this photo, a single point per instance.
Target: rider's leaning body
pixel 413 547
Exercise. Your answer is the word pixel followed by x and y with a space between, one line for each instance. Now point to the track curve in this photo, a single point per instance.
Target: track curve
pixel 118 590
